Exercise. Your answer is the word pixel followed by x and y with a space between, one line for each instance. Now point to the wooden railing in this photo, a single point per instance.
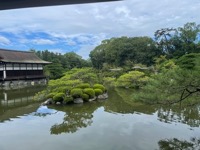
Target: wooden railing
pixel 23 77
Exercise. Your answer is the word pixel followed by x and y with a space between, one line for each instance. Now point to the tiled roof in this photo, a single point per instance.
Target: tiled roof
pixel 13 56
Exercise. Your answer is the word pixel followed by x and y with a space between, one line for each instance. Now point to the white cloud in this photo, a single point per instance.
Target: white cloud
pixel 43 42
pixel 85 50
pixel 128 17
pixel 4 41
pixel 91 23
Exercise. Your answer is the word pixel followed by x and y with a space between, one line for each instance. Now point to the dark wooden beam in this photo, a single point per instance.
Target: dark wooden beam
pixel 14 4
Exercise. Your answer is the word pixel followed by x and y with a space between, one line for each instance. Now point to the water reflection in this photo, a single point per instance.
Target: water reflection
pixel 188 115
pixel 172 114
pixel 81 116
pixel 117 123
pixel 176 144
pixel 44 111
pixel 76 117
pixel 18 102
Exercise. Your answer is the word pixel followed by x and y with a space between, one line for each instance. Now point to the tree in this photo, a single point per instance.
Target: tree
pixel 116 52
pixel 163 38
pixel 132 79
pixel 177 42
pixel 180 84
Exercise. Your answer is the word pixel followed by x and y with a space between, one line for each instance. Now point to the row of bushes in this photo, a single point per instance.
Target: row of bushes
pixel 68 94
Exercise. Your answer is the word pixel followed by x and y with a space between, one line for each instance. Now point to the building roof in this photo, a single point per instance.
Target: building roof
pixel 13 4
pixel 13 56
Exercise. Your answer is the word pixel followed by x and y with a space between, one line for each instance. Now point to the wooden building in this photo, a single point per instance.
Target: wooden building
pixel 20 65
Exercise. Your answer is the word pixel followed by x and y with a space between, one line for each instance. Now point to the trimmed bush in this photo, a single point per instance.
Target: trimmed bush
pixel 98 92
pixel 62 89
pixel 90 92
pixel 85 97
pixel 50 95
pixel 59 97
pixel 99 86
pixel 76 92
pixel 68 99
pixel 83 85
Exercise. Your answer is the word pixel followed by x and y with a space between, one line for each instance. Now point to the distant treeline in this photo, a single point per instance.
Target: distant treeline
pixel 124 51
pixel 61 63
pixel 128 51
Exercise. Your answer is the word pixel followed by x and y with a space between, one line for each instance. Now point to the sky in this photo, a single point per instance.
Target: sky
pixel 81 27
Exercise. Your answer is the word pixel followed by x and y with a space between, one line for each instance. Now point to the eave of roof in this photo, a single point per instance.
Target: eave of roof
pixel 15 4
pixel 14 56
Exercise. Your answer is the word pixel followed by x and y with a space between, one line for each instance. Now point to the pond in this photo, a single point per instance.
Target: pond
pixel 113 124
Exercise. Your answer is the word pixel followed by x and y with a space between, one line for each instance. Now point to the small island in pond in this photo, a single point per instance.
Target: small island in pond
pixel 76 86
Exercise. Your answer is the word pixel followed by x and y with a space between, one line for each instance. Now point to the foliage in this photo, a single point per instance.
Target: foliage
pixel 62 89
pixel 68 99
pixel 99 86
pixel 118 51
pixel 109 81
pixel 189 61
pixel 85 97
pixel 55 70
pixel 134 79
pixel 61 63
pixel 59 97
pixel 86 75
pixel 98 92
pixel 50 95
pixel 76 92
pixel 90 92
pixel 175 43
pixel 83 85
pixel 162 64
pixel 171 87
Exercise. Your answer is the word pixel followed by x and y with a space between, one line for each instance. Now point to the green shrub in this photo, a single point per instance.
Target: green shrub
pixel 99 86
pixel 109 81
pixel 83 85
pixel 85 97
pixel 50 95
pixel 76 92
pixel 68 99
pixel 90 92
pixel 59 97
pixel 62 89
pixel 98 92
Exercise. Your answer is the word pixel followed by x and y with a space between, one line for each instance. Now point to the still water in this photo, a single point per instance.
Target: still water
pixel 114 124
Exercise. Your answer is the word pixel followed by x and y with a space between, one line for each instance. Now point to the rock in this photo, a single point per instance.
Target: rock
pixel 103 96
pixel 48 101
pixel 78 100
pixel 58 103
pixel 92 99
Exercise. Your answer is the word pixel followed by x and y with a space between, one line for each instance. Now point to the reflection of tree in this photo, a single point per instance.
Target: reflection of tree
pixel 188 115
pixel 176 144
pixel 76 117
pixel 121 101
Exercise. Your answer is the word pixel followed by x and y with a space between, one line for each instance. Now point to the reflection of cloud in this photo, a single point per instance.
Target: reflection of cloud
pixel 44 110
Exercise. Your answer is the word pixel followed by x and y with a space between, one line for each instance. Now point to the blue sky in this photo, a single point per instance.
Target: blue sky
pixel 80 28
